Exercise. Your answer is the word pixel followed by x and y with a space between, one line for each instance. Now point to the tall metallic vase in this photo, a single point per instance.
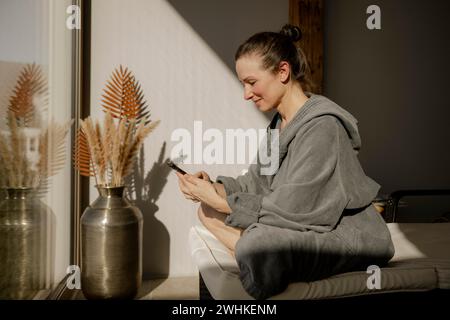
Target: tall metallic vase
pixel 25 244
pixel 111 247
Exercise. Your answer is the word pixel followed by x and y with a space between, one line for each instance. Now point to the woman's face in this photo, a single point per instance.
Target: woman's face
pixel 263 87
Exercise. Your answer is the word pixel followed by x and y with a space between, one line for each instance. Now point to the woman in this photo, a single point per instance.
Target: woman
pixel 311 219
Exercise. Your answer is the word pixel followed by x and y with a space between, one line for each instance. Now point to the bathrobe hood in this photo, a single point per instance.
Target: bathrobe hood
pixel 361 190
pixel 318 106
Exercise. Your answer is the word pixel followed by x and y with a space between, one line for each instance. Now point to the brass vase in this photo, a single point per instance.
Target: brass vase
pixel 25 240
pixel 111 247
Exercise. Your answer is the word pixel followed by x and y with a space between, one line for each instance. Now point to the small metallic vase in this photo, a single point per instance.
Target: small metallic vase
pixel 111 247
pixel 25 235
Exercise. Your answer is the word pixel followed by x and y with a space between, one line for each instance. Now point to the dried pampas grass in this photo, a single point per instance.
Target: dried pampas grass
pixel 108 152
pixel 112 151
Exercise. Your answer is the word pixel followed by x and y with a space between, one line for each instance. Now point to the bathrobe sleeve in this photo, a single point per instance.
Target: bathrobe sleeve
pixel 312 194
pixel 244 197
pixel 248 182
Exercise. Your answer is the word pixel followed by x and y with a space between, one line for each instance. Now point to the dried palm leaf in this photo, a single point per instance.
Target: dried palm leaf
pixel 124 98
pixel 82 155
pixel 30 82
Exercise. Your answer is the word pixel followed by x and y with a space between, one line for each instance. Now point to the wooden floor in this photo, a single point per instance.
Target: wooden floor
pixel 180 288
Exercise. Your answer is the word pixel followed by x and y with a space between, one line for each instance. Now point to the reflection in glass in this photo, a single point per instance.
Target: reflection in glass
pixel 26 224
pixel 31 151
pixel 35 112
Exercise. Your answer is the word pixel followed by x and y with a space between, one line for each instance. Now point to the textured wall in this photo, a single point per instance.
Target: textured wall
pixel 182 53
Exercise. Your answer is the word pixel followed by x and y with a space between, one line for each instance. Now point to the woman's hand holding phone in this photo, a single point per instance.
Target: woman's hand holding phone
pixel 199 187
pixel 184 188
pixel 202 175
pixel 194 186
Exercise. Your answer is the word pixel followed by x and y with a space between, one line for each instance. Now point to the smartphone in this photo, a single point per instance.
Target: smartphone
pixel 175 167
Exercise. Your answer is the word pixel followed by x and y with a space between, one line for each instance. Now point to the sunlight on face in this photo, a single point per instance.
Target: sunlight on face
pixel 261 86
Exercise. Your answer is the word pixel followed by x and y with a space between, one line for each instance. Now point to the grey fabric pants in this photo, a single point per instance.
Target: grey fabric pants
pixel 270 257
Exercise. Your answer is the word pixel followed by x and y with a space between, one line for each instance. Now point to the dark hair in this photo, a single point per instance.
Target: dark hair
pixel 275 47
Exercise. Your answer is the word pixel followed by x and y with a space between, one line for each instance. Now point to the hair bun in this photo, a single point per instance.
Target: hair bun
pixel 293 32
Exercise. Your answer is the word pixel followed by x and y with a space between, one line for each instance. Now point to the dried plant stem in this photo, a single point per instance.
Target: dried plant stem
pixel 52 149
pixel 17 150
pixel 116 151
pixel 110 131
pixel 102 161
pixel 128 141
pixel 43 152
pixel 95 149
pixel 7 162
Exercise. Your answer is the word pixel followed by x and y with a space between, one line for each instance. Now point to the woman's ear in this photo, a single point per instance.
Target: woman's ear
pixel 284 71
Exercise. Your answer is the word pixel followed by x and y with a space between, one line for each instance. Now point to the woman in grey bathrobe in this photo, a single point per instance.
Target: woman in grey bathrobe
pixel 313 217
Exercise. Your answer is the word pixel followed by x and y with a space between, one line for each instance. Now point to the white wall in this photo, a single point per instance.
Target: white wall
pixel 184 78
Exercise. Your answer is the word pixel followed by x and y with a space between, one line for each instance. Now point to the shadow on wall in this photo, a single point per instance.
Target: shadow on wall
pixel 224 25
pixel 144 193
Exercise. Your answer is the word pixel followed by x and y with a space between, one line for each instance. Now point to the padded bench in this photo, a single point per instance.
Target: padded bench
pixel 421 263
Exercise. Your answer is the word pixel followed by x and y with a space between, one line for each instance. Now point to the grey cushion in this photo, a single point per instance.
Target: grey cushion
pixel 421 262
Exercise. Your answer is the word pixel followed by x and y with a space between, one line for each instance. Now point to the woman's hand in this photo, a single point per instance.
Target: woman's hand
pixel 202 175
pixel 199 188
pixel 185 190
pixel 196 188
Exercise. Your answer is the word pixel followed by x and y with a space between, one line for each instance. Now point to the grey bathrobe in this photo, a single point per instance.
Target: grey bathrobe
pixel 313 218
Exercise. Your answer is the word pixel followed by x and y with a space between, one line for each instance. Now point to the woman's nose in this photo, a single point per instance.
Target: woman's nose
pixel 247 93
